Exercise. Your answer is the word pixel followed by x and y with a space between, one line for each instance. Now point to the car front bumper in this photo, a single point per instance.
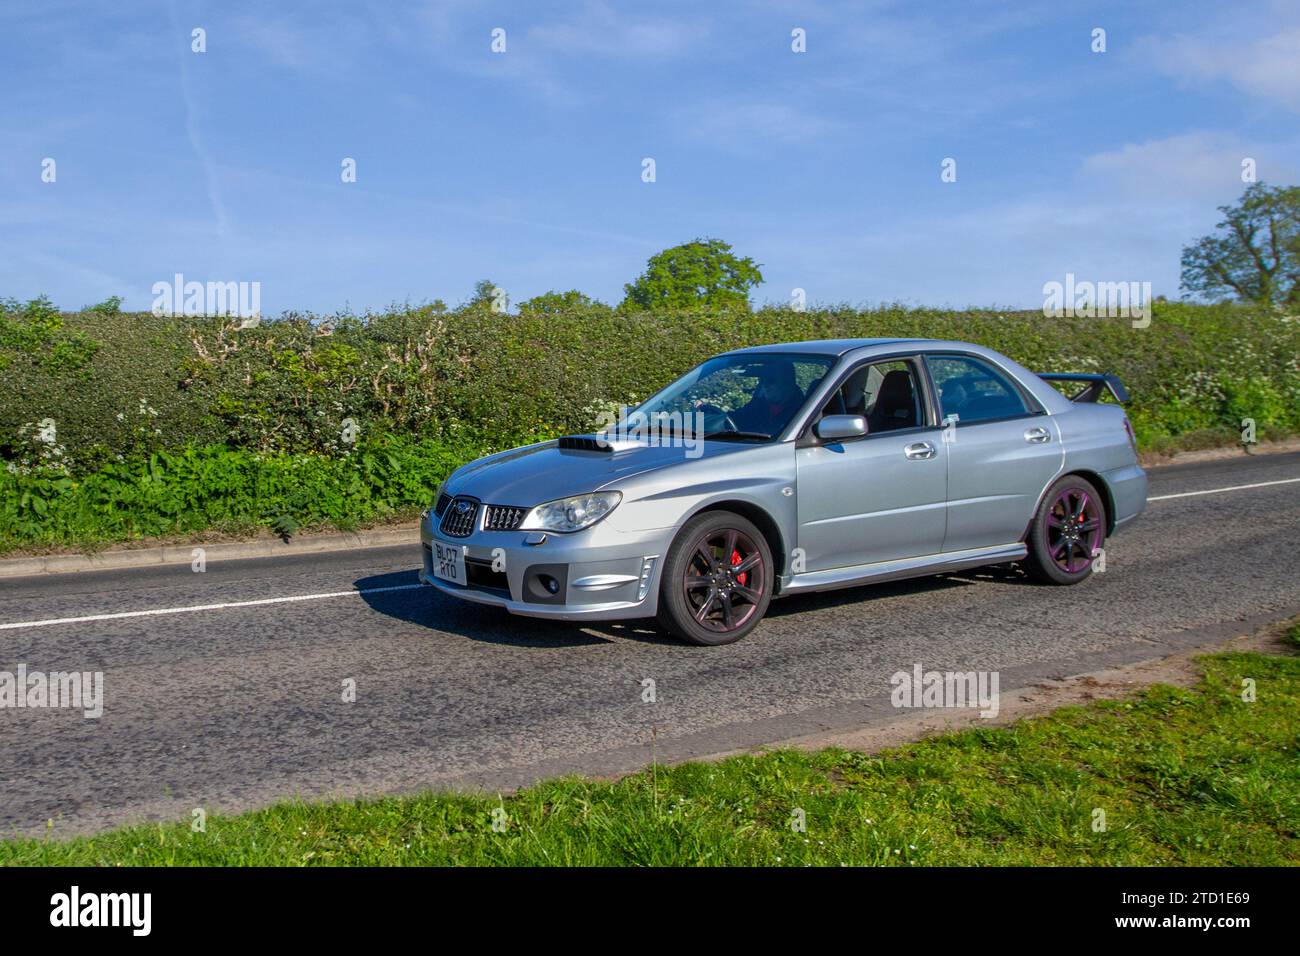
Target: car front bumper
pixel 599 573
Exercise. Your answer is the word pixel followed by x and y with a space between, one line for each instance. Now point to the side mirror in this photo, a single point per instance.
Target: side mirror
pixel 837 427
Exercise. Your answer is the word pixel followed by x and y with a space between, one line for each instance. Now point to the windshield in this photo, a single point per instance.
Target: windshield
pixel 739 397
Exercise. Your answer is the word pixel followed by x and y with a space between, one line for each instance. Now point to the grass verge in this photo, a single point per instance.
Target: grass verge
pixel 1183 776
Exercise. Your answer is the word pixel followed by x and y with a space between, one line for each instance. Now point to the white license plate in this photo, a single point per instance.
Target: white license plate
pixel 449 562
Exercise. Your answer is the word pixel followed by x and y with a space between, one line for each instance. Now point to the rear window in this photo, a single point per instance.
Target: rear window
pixel 974 391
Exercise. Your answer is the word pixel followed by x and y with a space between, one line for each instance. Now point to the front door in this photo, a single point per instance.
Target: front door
pixel 880 497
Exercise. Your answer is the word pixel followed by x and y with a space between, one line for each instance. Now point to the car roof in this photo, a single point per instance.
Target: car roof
pixel 820 346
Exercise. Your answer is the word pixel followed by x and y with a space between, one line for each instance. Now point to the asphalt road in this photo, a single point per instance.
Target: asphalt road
pixel 237 706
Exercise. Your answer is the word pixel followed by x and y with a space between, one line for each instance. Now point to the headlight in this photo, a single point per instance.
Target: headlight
pixel 571 514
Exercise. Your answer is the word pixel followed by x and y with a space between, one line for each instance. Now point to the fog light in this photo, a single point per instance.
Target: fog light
pixel 647 569
pixel 552 586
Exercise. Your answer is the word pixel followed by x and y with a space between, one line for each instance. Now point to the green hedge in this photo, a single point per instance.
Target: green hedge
pixel 212 487
pixel 167 425
pixel 116 385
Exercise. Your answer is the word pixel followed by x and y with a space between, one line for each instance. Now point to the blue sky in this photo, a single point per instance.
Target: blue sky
pixel 525 166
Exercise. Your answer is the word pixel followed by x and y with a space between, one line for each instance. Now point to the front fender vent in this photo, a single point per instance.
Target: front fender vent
pixel 503 517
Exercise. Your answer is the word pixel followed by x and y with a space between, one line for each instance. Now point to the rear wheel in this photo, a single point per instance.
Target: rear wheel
pixel 1067 532
pixel 717 580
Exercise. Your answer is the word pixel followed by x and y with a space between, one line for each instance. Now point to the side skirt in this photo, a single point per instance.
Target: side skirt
pixel 901 568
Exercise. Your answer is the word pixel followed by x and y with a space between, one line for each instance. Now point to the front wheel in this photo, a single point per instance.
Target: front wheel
pixel 717 580
pixel 1067 532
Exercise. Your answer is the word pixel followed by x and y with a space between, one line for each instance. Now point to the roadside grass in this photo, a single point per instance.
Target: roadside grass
pixel 1184 777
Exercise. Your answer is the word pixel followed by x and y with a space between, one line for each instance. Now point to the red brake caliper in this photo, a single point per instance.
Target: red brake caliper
pixel 735 560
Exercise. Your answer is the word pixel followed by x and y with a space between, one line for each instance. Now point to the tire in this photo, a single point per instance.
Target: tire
pixel 1067 531
pixel 705 599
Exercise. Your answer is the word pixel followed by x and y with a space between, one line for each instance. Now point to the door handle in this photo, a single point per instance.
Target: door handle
pixel 1037 436
pixel 919 451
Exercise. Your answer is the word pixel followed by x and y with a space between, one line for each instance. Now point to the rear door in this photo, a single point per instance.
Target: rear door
pixel 1002 450
pixel 883 496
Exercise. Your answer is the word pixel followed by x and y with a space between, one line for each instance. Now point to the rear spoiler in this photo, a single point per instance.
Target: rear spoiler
pixel 1095 383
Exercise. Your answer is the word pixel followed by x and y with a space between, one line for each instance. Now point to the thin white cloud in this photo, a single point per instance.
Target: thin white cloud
pixel 283 42
pixel 741 125
pixel 1201 166
pixel 192 132
pixel 93 284
pixel 600 29
pixel 1267 67
pixel 989 254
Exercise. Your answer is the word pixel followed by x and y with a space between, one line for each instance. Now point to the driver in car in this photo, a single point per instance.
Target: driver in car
pixel 774 400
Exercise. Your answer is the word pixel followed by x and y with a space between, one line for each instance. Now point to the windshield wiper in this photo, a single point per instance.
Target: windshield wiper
pixel 742 436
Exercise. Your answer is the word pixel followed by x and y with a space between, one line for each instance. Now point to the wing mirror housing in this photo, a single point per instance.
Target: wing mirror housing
pixel 839 427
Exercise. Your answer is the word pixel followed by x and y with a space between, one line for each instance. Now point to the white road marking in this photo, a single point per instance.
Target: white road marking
pixel 1219 491
pixel 154 612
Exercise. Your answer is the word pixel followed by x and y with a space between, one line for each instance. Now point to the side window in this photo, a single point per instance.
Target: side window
pixel 885 393
pixel 973 390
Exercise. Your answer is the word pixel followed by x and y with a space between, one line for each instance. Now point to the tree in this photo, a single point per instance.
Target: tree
pixel 699 273
pixel 110 306
pixel 484 292
pixel 487 294
pixel 1255 254
pixel 559 303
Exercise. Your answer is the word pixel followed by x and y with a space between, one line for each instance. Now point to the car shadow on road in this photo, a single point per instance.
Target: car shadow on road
pixel 428 607
pixel 862 593
pixel 857 594
pixel 996 573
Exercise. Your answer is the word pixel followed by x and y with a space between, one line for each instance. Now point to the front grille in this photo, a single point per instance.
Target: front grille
pixel 441 506
pixel 502 517
pixel 458 519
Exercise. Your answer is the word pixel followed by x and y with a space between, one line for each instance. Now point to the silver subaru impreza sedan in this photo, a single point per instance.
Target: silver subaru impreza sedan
pixel 783 469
